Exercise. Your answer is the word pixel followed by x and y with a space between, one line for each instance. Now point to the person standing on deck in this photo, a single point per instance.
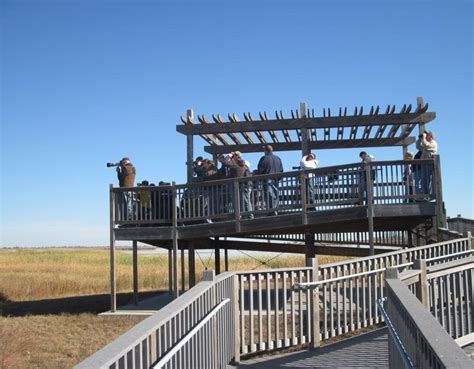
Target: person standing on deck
pixel 429 148
pixel 366 158
pixel 309 162
pixel 270 164
pixel 126 173
pixel 237 168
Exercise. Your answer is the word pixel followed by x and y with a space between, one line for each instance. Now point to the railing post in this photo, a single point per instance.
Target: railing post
pixel 113 296
pixel 236 316
pixel 303 198
pixel 237 205
pixel 135 271
pixel 370 209
pixel 391 273
pixel 314 305
pixel 468 235
pixel 438 188
pixel 191 263
pixel 175 240
pixel 422 285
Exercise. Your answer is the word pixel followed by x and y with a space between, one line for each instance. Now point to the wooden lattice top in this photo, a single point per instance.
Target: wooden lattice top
pixel 372 129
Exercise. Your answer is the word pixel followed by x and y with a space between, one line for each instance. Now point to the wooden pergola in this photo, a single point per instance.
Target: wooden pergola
pixel 305 131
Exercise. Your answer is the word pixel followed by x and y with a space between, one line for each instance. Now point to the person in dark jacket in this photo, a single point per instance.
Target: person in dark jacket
pixel 269 164
pixel 126 173
pixel 237 169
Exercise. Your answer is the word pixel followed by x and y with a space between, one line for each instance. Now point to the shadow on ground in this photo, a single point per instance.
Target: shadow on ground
pixel 369 350
pixel 68 305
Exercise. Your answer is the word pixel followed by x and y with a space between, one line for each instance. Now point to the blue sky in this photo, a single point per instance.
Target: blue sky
pixel 87 82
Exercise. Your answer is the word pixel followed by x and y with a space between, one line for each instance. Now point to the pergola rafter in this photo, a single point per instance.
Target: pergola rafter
pixel 305 131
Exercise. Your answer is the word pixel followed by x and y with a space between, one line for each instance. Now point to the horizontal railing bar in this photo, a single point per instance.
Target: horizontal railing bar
pixel 451 263
pixel 398 343
pixel 188 336
pixel 296 174
pixel 311 284
pixel 440 343
pixel 452 270
pixel 395 253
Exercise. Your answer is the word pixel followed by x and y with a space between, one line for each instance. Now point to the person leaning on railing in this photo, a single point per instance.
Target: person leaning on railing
pixel 126 173
pixel 270 164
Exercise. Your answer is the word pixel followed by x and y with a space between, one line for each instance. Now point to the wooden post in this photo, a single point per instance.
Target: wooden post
pixel 309 245
pixel 208 276
pixel 236 205
pixel 217 255
pixel 437 182
pixel 113 294
pixel 391 273
pixel 304 205
pixel 422 285
pixel 304 131
pixel 226 259
pixel 235 312
pixel 170 270
pixel 421 126
pixel 314 302
pixel 135 271
pixel 183 270
pixel 189 149
pixel 468 235
pixel 370 209
pixel 192 264
pixel 175 241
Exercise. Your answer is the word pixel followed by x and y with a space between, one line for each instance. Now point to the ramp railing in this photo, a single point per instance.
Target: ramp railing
pixel 197 330
pixel 238 313
pixel 430 313
pixel 275 305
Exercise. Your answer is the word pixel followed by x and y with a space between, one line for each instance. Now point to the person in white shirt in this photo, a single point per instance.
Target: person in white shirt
pixel 310 162
pixel 429 148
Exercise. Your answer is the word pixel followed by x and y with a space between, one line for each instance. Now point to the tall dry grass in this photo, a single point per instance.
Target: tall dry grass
pixel 56 341
pixel 60 341
pixel 34 274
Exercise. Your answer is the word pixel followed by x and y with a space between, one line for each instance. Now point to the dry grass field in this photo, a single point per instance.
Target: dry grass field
pixel 49 300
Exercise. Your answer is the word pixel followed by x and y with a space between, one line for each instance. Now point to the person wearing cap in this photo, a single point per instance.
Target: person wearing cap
pixel 366 159
pixel 309 162
pixel 270 164
pixel 126 173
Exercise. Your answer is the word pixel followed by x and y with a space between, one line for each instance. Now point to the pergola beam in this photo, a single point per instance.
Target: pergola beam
pixel 313 145
pixel 321 122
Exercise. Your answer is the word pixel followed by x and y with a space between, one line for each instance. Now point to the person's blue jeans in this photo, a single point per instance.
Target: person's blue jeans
pixel 127 198
pixel 270 190
pixel 245 198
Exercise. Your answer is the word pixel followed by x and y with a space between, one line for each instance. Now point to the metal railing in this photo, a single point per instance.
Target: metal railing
pixel 253 311
pixel 385 238
pixel 376 183
pixel 195 330
pixel 274 312
pixel 425 323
